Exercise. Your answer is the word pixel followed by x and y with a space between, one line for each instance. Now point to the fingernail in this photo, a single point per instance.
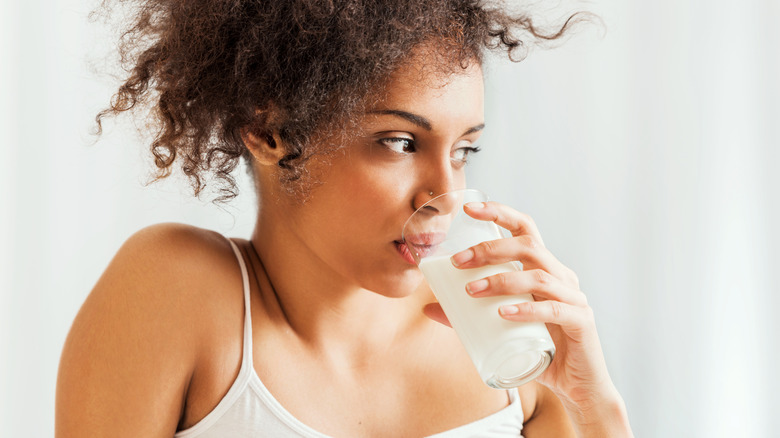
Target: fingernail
pixel 477 286
pixel 462 257
pixel 475 205
pixel 508 310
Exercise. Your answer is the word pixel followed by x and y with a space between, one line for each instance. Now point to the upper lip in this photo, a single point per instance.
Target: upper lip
pixel 423 239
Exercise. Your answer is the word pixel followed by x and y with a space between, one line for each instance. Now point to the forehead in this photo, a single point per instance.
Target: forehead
pixel 419 76
pixel 419 88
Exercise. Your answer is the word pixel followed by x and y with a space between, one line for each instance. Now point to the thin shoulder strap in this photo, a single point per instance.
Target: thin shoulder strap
pixel 247 351
pixel 514 394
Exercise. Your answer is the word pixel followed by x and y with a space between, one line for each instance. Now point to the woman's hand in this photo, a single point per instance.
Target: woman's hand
pixel 578 374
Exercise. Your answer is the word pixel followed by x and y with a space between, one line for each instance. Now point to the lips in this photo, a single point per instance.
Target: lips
pixel 420 244
pixel 431 238
pixel 404 251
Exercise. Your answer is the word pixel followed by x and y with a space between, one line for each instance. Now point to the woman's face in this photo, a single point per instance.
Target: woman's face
pixel 414 142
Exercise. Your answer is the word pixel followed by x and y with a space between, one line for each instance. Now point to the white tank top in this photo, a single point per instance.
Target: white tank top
pixel 250 410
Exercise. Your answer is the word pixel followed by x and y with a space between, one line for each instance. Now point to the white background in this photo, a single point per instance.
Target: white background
pixel 646 156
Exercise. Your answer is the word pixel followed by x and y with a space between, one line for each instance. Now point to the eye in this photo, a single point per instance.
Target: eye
pixel 401 145
pixel 461 155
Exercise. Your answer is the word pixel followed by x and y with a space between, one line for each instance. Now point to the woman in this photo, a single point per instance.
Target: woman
pixel 351 115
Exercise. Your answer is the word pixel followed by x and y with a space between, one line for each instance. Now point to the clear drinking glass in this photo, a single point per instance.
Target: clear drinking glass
pixel 505 353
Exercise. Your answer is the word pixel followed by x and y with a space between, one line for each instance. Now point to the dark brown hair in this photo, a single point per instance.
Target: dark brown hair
pixel 209 68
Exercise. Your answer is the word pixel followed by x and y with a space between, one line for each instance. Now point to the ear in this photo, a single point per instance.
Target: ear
pixel 265 147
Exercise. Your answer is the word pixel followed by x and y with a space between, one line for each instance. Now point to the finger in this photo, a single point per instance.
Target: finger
pixel 525 249
pixel 537 282
pixel 573 320
pixel 504 216
pixel 525 232
pixel 435 312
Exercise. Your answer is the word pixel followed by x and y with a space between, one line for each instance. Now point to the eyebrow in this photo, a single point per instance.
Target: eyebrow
pixel 420 120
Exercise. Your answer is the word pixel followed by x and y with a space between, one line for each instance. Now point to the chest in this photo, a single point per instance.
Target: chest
pixel 413 391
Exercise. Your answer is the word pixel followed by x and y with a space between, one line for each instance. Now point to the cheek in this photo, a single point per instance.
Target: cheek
pixel 376 187
pixel 362 196
pixel 357 203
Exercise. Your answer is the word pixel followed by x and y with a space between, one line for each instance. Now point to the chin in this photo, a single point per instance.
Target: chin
pixel 396 286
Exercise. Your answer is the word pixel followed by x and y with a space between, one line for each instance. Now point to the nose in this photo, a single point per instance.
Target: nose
pixel 435 180
pixel 445 204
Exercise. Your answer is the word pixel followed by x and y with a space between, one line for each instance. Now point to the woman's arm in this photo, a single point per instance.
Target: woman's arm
pixel 128 358
pixel 550 418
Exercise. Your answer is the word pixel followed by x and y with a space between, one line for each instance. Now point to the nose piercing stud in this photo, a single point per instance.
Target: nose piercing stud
pixel 430 193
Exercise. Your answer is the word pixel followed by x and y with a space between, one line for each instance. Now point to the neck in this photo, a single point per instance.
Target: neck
pixel 326 311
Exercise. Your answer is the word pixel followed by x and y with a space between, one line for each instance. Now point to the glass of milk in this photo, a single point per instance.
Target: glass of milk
pixel 505 353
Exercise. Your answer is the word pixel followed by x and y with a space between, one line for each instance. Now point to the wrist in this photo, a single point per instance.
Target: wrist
pixel 604 416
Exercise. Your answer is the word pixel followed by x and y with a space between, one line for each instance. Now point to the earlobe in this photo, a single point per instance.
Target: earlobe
pixel 266 147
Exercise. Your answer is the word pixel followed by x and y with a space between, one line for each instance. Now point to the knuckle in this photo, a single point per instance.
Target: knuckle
pixel 542 277
pixel 488 247
pixel 525 218
pixel 498 281
pixel 492 211
pixel 479 252
pixel 529 241
pixel 535 242
pixel 557 310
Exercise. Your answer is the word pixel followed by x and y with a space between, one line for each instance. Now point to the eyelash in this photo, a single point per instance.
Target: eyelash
pixel 468 150
pixel 409 143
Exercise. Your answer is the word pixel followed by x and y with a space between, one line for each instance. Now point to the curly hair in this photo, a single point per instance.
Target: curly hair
pixel 208 69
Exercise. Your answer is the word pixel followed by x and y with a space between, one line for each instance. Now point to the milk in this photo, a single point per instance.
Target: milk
pixel 501 350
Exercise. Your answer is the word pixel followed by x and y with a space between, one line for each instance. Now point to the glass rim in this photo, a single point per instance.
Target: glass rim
pixel 428 202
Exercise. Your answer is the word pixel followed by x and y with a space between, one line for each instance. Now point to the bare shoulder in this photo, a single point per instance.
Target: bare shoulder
pixel 172 239
pixel 543 412
pixel 167 274
pixel 133 347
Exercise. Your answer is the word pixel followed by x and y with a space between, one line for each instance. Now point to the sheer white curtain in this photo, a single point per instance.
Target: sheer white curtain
pixel 646 157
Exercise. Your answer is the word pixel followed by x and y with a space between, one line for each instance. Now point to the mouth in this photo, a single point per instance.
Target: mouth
pixel 403 250
pixel 422 244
